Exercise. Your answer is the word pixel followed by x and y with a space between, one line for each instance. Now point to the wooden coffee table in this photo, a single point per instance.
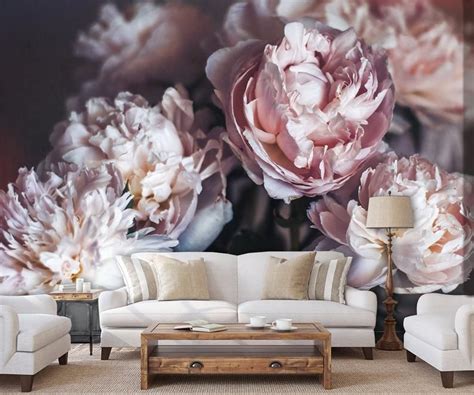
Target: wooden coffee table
pixel 224 359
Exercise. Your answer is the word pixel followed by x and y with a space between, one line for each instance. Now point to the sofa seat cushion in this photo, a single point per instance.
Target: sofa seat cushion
pixel 142 314
pixel 39 330
pixel 434 329
pixel 330 314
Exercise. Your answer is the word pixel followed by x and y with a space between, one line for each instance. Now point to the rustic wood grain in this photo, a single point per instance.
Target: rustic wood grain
pixel 225 359
pixel 72 295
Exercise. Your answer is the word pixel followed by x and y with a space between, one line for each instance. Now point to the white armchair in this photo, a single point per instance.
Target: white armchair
pixel 442 334
pixel 31 336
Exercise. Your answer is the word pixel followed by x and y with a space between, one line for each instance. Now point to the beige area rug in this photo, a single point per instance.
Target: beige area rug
pixel 387 373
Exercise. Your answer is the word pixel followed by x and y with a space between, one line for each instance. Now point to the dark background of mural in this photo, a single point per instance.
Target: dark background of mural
pixel 37 74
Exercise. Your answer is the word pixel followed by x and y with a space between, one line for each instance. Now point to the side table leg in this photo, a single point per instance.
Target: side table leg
pixel 90 328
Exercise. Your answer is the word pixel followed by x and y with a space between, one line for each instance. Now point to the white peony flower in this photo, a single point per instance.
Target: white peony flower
pixel 171 168
pixel 434 255
pixel 64 225
pixel 144 48
pixel 425 53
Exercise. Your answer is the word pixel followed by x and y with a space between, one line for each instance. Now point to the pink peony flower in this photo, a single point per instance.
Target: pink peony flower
pixel 144 48
pixel 425 53
pixel 304 115
pixel 65 224
pixel 433 255
pixel 171 168
pixel 265 19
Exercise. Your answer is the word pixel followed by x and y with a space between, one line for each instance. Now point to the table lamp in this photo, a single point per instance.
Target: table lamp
pixel 389 212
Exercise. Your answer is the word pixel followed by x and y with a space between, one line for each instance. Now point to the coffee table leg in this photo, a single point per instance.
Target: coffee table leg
pixel 146 350
pixel 327 383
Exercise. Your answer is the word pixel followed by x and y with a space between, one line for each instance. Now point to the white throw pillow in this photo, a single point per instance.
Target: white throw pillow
pixel 140 278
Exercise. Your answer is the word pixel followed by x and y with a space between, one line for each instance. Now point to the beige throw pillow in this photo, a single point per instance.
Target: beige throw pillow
pixel 328 280
pixel 181 280
pixel 288 279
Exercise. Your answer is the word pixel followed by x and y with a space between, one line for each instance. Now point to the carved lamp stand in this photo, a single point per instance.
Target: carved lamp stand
pixel 389 212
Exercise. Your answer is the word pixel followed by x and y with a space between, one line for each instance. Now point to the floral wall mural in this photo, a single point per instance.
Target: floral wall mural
pixel 233 126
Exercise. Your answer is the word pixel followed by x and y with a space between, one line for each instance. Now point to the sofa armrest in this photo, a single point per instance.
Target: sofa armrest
pixel 464 327
pixel 31 304
pixel 112 299
pixel 436 303
pixel 366 300
pixel 9 329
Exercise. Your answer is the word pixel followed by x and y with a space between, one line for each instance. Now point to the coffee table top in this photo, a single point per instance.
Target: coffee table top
pixel 312 331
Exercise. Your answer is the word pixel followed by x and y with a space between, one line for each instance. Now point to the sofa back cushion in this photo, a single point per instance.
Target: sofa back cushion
pixel 221 271
pixel 252 270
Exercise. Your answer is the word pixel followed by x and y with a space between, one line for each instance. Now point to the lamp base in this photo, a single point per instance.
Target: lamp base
pixel 389 340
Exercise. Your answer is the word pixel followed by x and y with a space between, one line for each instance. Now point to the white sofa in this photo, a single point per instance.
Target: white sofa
pixel 235 287
pixel 442 334
pixel 31 336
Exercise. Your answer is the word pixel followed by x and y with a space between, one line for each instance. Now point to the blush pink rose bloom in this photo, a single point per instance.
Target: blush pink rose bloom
pixel 433 255
pixel 304 115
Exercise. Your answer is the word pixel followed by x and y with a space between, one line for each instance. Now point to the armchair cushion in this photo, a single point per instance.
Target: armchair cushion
pixel 9 328
pixel 30 304
pixel 436 303
pixel 434 329
pixel 39 330
pixel 464 326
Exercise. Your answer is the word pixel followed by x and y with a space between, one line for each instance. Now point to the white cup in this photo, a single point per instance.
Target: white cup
pixel 258 321
pixel 282 324
pixel 86 287
pixel 60 288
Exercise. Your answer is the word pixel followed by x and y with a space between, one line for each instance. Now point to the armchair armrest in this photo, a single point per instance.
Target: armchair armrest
pixel 31 304
pixel 464 327
pixel 9 329
pixel 436 303
pixel 361 299
pixel 112 299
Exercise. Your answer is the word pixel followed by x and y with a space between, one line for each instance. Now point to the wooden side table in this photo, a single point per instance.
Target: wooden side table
pixel 89 298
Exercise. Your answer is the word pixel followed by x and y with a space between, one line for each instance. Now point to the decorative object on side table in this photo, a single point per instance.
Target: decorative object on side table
pixel 389 212
pixel 65 297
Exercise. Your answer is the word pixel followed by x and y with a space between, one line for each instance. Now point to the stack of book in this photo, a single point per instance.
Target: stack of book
pixel 201 326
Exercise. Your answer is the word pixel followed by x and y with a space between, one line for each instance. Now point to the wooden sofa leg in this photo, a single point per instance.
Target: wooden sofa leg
pixel 368 353
pixel 26 382
pixel 410 356
pixel 63 359
pixel 447 378
pixel 105 353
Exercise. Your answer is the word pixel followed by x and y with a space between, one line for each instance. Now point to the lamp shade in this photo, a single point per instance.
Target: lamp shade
pixel 389 212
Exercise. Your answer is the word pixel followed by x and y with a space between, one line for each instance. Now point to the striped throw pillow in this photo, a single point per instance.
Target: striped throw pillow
pixel 140 279
pixel 328 280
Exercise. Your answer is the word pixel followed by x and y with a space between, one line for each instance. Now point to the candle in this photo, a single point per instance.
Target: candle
pixel 79 284
pixel 86 287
